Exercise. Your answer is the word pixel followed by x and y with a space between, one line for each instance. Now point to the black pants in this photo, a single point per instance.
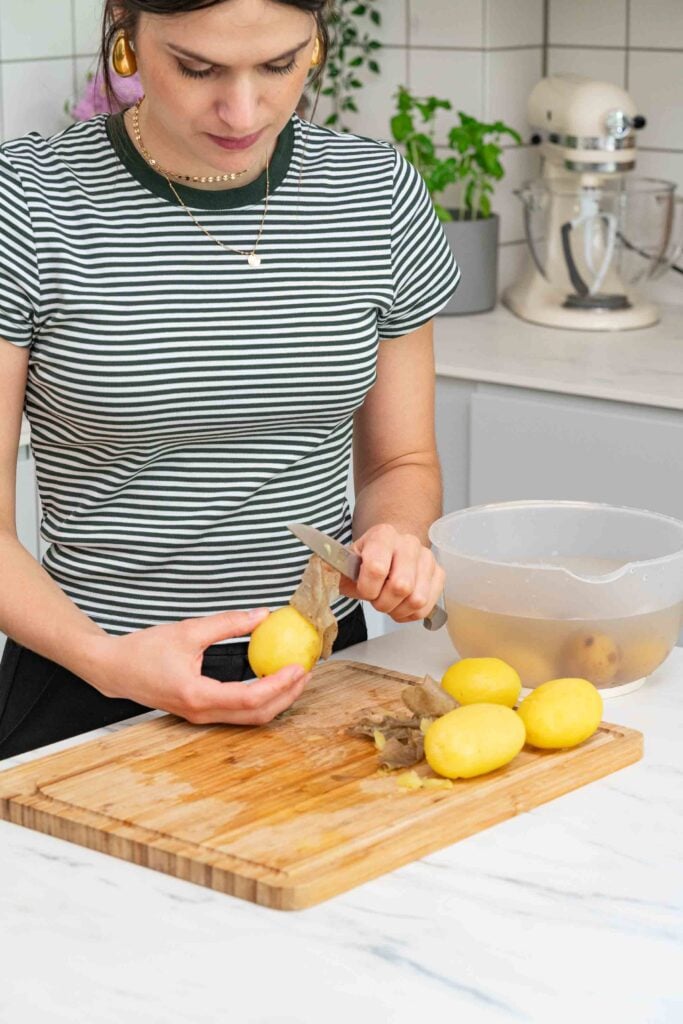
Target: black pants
pixel 41 702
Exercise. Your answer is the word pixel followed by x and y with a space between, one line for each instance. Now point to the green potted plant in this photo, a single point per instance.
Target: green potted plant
pixel 471 226
pixel 352 51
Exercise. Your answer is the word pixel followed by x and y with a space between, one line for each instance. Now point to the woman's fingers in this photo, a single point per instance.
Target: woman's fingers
pixel 429 584
pixel 399 575
pixel 376 548
pixel 207 700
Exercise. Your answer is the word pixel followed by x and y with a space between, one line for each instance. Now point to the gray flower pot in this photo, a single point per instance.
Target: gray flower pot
pixel 475 247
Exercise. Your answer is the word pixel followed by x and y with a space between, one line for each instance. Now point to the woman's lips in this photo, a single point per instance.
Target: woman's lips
pixel 244 143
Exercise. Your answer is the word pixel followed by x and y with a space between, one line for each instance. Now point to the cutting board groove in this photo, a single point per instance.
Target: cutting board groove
pixel 288 814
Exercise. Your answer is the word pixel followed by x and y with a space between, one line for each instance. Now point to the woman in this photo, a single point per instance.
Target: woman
pixel 206 302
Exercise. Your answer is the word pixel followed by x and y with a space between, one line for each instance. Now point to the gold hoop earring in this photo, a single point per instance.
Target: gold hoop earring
pixel 123 57
pixel 316 57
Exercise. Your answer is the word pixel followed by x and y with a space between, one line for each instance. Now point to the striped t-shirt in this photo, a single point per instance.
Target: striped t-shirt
pixel 185 406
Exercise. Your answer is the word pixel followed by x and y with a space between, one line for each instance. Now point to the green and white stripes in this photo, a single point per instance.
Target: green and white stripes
pixel 184 406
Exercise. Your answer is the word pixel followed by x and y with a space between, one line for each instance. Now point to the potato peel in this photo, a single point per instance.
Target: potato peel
pixel 317 590
pixel 404 737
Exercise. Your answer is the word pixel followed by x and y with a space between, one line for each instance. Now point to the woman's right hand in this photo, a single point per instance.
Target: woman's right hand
pixel 161 667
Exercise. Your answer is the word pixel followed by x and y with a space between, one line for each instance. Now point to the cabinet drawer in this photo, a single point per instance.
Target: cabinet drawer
pixel 554 446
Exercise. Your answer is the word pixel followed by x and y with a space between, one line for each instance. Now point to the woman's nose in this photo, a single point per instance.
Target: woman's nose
pixel 237 107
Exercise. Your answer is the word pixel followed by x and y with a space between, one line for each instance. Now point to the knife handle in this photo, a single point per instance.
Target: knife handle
pixel 435 619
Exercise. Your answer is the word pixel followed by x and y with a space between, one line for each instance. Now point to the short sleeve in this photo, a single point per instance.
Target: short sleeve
pixel 424 270
pixel 19 287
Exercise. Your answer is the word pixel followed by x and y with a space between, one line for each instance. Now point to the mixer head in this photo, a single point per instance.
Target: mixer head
pixel 583 125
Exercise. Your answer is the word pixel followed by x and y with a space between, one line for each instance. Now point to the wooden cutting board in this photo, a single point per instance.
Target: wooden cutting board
pixel 288 814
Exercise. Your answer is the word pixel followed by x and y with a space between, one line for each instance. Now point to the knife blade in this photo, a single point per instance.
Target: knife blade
pixel 329 549
pixel 348 563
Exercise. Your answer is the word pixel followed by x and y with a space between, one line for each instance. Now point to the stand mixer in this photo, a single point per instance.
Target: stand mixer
pixel 594 230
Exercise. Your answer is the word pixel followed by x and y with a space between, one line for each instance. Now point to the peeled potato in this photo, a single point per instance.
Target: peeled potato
pixel 640 658
pixel 561 713
pixel 591 655
pixel 473 740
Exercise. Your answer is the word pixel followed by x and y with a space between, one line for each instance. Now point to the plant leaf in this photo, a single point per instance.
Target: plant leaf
pixel 401 126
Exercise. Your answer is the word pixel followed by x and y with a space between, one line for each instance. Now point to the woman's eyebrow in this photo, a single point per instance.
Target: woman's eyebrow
pixel 205 60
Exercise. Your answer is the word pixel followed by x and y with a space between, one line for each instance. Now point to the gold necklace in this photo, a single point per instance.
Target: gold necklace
pixel 232 176
pixel 252 258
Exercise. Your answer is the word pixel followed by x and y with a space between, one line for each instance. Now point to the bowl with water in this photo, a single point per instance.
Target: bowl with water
pixel 564 588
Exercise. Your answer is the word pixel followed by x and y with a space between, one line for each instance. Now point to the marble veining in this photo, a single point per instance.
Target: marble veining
pixel 643 366
pixel 570 912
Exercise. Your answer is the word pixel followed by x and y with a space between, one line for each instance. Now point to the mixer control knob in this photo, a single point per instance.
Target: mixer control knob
pixel 617 123
pixel 639 121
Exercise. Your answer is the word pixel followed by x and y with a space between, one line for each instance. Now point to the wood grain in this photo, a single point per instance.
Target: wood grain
pixel 288 814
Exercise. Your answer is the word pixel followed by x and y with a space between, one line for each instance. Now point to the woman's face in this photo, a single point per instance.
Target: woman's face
pixel 222 73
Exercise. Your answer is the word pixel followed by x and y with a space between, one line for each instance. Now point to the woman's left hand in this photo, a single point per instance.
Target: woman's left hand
pixel 399 575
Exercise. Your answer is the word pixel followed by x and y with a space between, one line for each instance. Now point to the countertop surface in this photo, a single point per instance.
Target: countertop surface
pixel 643 366
pixel 571 912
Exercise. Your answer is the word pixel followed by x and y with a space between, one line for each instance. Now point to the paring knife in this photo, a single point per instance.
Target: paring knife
pixel 348 563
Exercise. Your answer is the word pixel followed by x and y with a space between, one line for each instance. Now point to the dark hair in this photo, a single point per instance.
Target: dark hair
pixel 129 12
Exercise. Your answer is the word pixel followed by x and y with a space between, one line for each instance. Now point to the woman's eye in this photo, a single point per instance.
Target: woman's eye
pixel 275 69
pixel 281 69
pixel 184 70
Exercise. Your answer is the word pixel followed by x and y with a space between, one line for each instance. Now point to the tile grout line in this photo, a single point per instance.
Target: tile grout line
pixel 408 63
pixel 74 77
pixel 616 49
pixel 627 55
pixel 407 16
pixel 33 60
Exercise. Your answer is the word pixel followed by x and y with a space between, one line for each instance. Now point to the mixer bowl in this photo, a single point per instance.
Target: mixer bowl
pixel 563 588
pixel 593 236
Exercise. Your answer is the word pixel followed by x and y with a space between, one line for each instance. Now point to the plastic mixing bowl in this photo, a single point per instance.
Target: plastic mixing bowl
pixel 563 588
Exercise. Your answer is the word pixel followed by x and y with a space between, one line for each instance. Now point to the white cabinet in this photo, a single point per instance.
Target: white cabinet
pixel 452 416
pixel 27 502
pixel 27 508
pixel 499 443
pixel 526 444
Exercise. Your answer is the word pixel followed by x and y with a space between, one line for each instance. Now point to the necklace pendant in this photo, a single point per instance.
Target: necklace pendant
pixel 253 260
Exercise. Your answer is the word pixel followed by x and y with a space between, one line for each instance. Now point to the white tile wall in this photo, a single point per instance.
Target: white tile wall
pixel 33 93
pixel 88 25
pixel 605 65
pixel 510 77
pixel 658 87
pixel 519 23
pixel 657 23
pixel 451 74
pixel 455 23
pixel 587 22
pixel 35 28
pixel 376 100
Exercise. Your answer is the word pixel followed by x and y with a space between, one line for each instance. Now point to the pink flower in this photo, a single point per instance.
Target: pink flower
pixel 94 99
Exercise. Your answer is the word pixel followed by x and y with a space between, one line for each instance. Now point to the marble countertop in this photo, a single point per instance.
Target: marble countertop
pixel 571 912
pixel 643 366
